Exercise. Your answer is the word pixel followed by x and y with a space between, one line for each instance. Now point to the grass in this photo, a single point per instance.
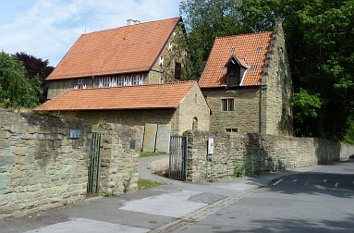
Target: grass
pixel 146 154
pixel 145 184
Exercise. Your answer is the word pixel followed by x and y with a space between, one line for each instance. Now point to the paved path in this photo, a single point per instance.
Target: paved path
pixel 318 201
pixel 169 208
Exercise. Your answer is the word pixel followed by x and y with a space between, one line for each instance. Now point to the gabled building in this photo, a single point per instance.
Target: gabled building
pixel 136 54
pixel 247 83
pixel 171 107
pixel 130 75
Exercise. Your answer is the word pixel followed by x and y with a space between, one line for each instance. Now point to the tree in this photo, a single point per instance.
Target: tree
pixel 205 20
pixel 36 66
pixel 16 90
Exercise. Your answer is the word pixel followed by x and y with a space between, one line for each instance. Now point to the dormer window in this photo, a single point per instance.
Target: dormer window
pixel 236 69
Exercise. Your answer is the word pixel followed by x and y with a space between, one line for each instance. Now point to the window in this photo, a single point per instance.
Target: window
pixel 177 70
pixel 227 105
pixel 195 124
pixel 231 130
pixel 161 61
pixel 106 82
pixel 114 81
pixel 170 46
pixel 80 84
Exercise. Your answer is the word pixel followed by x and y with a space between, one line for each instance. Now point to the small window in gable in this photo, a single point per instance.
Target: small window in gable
pixel 195 124
pixel 161 61
pixel 178 68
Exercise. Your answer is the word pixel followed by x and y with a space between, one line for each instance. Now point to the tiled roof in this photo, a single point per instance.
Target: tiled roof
pixel 126 49
pixel 252 48
pixel 153 96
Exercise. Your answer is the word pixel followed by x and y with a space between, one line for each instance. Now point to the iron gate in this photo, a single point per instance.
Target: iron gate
pixel 178 158
pixel 95 163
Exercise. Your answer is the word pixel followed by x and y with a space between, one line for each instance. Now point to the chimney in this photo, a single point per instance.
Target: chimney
pixel 132 22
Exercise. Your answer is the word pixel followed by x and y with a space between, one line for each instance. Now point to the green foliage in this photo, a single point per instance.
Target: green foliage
pixel 306 105
pixel 349 135
pixel 16 91
pixel 36 67
pixel 147 154
pixel 249 166
pixel 205 20
pixel 144 184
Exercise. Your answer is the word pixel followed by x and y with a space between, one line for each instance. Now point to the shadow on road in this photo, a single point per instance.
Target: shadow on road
pixel 299 225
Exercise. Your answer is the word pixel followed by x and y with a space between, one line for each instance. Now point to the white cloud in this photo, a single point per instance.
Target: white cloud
pixel 48 28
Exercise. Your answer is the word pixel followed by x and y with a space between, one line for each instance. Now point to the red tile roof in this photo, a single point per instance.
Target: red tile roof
pixel 252 48
pixel 153 96
pixel 126 49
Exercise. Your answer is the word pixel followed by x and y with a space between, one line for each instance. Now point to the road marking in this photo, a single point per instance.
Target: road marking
pixel 336 185
pixel 325 180
pixel 294 180
pixel 278 182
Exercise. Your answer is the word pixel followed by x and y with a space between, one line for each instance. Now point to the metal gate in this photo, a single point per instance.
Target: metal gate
pixel 178 158
pixel 95 163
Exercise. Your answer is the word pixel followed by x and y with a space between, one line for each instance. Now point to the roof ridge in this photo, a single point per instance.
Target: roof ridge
pixel 143 85
pixel 246 34
pixel 111 29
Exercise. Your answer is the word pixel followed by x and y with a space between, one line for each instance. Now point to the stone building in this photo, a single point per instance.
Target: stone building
pixel 139 53
pixel 159 109
pixel 247 84
pixel 124 76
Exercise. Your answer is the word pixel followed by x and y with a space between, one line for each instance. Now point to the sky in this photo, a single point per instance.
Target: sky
pixel 48 28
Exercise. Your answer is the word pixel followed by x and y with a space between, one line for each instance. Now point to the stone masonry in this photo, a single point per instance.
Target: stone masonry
pixel 251 153
pixel 42 164
pixel 120 149
pixel 41 167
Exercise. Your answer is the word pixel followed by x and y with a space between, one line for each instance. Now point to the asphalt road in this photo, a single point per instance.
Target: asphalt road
pixel 318 201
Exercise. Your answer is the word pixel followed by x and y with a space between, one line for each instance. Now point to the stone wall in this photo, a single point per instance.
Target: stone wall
pixel 193 110
pixel 41 167
pixel 244 118
pixel 251 153
pixel 120 148
pixel 276 89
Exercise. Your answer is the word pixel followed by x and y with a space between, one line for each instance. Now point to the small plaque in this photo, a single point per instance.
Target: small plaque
pixel 132 144
pixel 75 133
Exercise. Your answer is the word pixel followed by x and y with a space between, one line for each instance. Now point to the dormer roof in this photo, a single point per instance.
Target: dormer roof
pixel 235 60
pixel 248 49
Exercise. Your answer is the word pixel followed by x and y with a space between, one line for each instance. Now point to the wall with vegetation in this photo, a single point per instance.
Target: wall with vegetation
pixel 237 154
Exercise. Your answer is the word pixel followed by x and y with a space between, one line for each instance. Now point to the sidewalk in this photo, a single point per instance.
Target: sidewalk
pixel 167 208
